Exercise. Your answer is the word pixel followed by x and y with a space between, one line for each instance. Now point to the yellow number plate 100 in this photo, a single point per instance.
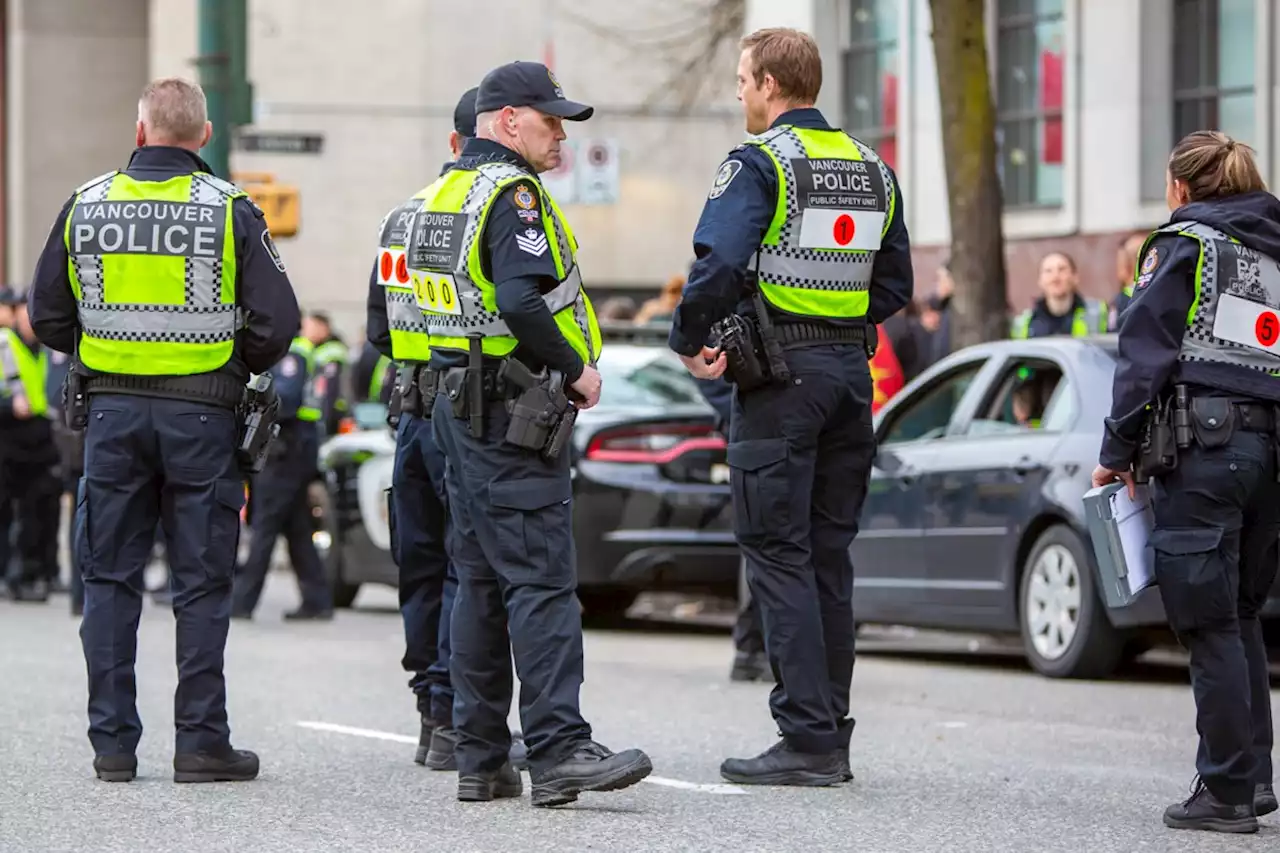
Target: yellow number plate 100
pixel 436 293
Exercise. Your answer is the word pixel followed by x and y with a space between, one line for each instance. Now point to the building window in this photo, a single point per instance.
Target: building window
pixel 1213 67
pixel 871 76
pixel 1030 58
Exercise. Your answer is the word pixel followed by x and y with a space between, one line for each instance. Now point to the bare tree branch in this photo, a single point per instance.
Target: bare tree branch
pixel 695 45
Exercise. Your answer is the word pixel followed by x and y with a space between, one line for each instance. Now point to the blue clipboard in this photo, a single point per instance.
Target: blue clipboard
pixel 1120 529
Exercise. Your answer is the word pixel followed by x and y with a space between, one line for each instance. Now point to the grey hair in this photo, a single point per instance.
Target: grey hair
pixel 173 110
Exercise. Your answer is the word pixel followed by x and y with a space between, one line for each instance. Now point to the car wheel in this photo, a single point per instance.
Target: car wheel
pixel 607 603
pixel 344 594
pixel 1065 630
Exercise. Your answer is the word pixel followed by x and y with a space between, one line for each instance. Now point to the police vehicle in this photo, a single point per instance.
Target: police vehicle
pixel 651 508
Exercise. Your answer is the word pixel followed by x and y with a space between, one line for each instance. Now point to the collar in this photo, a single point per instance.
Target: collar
pixel 810 118
pixel 167 158
pixel 1042 307
pixel 478 151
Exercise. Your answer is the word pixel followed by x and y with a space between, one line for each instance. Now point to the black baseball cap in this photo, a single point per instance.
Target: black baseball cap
pixel 464 114
pixel 528 84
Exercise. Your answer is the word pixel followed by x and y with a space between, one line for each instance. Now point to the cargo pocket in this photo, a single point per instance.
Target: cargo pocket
pixel 224 529
pixel 758 483
pixel 532 521
pixel 1192 575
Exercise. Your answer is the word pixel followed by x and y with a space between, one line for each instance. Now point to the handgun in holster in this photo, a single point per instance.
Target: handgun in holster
pixel 258 416
pixel 542 416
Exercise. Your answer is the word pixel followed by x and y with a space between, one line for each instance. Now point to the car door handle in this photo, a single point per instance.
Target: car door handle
pixel 1026 465
pixel 907 476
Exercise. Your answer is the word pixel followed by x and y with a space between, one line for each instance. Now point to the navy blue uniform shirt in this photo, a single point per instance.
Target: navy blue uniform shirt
pixel 1155 320
pixel 734 223
pixel 1045 324
pixel 262 288
pixel 289 378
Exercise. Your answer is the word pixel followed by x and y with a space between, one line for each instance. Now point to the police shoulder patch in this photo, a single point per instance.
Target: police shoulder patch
pixel 724 177
pixel 272 252
pixel 289 367
pixel 1151 261
pixel 524 199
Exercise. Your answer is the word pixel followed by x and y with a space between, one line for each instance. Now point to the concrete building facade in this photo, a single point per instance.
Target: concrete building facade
pixel 1090 94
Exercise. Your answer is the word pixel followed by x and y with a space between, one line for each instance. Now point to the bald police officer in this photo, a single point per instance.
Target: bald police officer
pixel 165 282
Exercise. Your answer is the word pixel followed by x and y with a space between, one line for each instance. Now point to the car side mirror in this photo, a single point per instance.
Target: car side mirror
pixel 887 461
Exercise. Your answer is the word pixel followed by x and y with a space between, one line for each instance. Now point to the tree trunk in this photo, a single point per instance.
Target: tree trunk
pixel 980 304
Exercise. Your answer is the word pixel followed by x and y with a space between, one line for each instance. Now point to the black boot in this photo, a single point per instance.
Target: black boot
pixel 750 666
pixel 591 767
pixel 1264 800
pixel 782 765
pixel 232 765
pixel 1202 810
pixel 309 614
pixel 424 740
pixel 444 740
pixel 116 768
pixel 501 784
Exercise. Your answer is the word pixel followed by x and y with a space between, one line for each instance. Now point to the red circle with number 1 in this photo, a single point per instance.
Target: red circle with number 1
pixel 844 228
pixel 1267 329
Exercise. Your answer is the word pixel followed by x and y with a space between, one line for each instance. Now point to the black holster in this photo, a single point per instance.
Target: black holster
pixel 258 416
pixel 1167 430
pixel 75 401
pixel 752 348
pixel 542 415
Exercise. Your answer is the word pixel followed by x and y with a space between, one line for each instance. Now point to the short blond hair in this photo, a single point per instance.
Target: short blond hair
pixel 174 110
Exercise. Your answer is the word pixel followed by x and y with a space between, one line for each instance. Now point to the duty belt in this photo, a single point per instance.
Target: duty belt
pixel 495 387
pixel 217 389
pixel 792 335
pixel 1255 417
pixel 427 382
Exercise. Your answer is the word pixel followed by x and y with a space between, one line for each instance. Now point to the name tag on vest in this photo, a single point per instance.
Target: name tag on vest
pixel 165 228
pixel 435 241
pixel 842 203
pixel 1249 323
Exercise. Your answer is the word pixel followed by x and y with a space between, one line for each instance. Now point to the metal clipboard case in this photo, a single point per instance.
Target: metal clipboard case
pixel 1120 529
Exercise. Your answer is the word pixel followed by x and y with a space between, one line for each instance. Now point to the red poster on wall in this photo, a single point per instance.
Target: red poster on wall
pixel 1051 99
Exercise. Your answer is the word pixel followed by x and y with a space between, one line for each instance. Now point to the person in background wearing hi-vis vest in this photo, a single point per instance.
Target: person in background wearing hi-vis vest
pixel 278 497
pixel 807 222
pixel 164 281
pixel 1061 309
pixel 373 376
pixel 28 459
pixel 328 366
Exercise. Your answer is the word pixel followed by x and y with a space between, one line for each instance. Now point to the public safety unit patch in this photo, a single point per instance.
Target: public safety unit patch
pixel 724 177
pixel 272 251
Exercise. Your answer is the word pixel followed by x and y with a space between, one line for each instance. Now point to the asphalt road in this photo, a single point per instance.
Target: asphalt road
pixel 952 752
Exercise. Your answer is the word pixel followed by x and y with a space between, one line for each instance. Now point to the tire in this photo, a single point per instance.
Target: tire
pixel 344 594
pixel 1056 591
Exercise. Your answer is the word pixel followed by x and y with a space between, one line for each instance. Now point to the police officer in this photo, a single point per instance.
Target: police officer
pixel 495 267
pixel 28 459
pixel 1126 270
pixel 328 368
pixel 1061 309
pixel 800 449
pixel 1202 322
pixel 279 495
pixel 418 500
pixel 165 281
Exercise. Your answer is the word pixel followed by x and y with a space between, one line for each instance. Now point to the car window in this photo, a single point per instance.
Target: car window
pixel 645 376
pixel 1032 395
pixel 929 413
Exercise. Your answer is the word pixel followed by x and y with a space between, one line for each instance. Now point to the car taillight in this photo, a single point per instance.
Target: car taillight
pixel 652 444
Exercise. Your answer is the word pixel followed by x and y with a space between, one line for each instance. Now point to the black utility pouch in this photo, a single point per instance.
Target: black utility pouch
pixel 1212 421
pixel 455 389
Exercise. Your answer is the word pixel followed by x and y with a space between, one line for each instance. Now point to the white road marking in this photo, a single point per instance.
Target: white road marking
pixel 678 784
pixel 953 725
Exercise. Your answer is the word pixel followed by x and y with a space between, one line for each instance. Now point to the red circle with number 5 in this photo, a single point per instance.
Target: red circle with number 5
pixel 1267 329
pixel 844 228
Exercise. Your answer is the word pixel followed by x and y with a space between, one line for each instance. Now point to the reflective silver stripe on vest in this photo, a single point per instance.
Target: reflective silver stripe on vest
pixel 790 265
pixel 475 319
pixel 10 376
pixel 403 314
pixel 1092 315
pixel 202 319
pixel 1222 261
pixel 579 300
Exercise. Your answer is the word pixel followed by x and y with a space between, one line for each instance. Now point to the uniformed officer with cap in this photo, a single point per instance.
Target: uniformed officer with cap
pixel 28 459
pixel 1200 338
pixel 164 280
pixel 494 263
pixel 811 220
pixel 418 502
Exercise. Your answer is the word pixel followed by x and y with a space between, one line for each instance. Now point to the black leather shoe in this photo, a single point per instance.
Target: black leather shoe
pixel 1264 800
pixel 519 752
pixel 116 768
pixel 424 740
pixel 234 765
pixel 782 765
pixel 502 784
pixel 591 767
pixel 1202 810
pixel 444 740
pixel 750 666
pixel 304 614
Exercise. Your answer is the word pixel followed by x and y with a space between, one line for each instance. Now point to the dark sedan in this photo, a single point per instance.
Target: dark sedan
pixel 651 508
pixel 974 520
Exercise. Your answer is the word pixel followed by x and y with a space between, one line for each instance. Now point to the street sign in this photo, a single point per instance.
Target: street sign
pixel 598 172
pixel 280 143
